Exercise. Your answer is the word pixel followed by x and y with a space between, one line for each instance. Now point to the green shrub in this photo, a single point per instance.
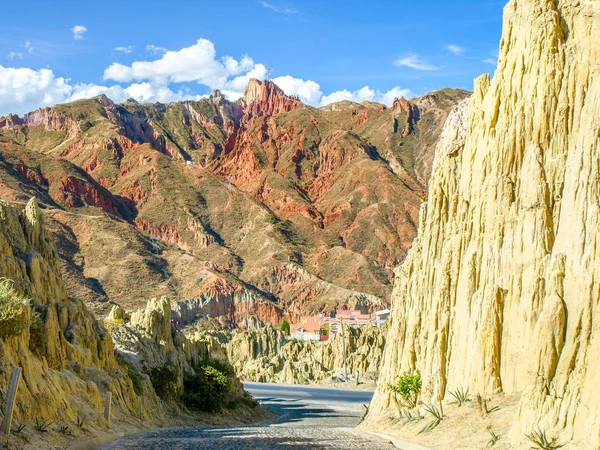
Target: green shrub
pixel 136 380
pixel 285 327
pixel 38 339
pixel 206 389
pixel 164 381
pixel 13 309
pixel 408 386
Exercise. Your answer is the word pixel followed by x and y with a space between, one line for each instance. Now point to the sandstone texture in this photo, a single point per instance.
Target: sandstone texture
pixel 67 356
pixel 499 291
pixel 263 207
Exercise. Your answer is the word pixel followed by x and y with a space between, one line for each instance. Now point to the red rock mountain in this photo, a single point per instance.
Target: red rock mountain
pixel 264 207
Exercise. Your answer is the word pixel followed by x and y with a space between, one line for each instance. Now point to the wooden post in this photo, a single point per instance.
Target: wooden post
pixel 107 405
pixel 356 377
pixel 10 401
pixel 139 407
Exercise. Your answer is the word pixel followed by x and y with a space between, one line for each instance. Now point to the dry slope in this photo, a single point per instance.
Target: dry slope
pixel 499 293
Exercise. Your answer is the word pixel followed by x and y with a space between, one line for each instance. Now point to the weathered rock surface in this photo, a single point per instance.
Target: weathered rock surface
pixel 147 341
pixel 66 355
pixel 499 292
pixel 264 354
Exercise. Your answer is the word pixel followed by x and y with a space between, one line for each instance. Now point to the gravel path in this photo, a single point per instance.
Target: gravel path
pixel 300 425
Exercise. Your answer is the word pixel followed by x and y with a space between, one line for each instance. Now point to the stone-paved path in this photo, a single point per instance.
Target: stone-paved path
pixel 308 422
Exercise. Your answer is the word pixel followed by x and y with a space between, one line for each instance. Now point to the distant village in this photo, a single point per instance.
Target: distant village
pixel 323 327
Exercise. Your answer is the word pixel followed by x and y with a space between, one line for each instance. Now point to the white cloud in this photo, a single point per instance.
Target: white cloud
pixel 414 61
pixel 278 9
pixel 14 55
pixel 23 90
pixel 126 50
pixel 307 90
pixel 491 61
pixel 457 50
pixel 195 63
pixel 28 47
pixel 78 31
pixel 387 98
pixel 155 49
pixel 366 94
pixel 142 92
pixel 234 88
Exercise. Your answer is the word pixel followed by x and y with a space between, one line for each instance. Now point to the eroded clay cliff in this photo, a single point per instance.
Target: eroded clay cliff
pixel 499 292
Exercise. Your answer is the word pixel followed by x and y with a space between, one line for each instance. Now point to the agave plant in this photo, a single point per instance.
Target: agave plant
pixel 42 426
pixel 410 417
pixel 80 422
pixel 438 416
pixel 542 442
pixel 495 438
pixel 461 396
pixel 64 430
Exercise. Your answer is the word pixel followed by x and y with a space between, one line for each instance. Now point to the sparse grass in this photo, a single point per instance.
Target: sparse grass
pixel 494 438
pixel 80 423
pixel 18 431
pixel 490 410
pixel 461 396
pixel 542 442
pixel 409 417
pixel 438 416
pixel 65 430
pixel 408 386
pixel 42 426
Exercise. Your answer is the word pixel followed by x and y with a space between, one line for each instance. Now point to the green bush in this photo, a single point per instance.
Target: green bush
pixel 408 386
pixel 13 309
pixel 285 327
pixel 164 381
pixel 38 339
pixel 206 389
pixel 136 380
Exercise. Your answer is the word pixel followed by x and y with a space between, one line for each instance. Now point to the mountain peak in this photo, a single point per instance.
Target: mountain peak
pixel 265 98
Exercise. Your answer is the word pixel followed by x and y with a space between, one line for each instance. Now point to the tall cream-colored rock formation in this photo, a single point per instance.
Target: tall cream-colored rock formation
pixel 500 291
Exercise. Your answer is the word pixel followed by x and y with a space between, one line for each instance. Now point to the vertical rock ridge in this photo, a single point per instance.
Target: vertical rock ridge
pixel 499 292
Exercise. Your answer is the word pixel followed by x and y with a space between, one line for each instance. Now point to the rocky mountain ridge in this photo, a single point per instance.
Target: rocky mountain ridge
pixel 265 206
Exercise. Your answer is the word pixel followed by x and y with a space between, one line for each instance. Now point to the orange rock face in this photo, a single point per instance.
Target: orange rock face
pixel 264 207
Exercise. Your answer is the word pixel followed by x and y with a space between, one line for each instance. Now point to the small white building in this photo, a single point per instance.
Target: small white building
pixel 382 317
pixel 302 335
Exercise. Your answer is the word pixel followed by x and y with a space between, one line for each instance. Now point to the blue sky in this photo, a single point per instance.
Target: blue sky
pixel 323 51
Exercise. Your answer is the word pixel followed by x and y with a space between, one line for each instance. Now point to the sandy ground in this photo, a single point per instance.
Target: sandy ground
pixel 465 427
